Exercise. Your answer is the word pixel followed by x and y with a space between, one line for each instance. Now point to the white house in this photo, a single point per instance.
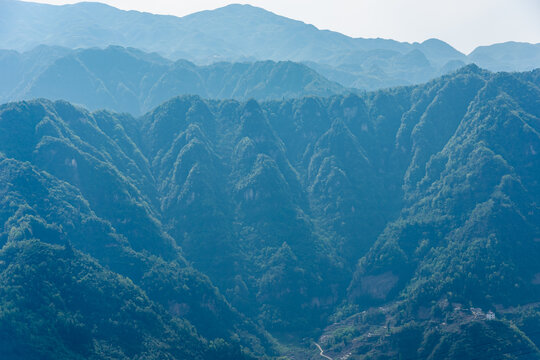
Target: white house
pixel 490 315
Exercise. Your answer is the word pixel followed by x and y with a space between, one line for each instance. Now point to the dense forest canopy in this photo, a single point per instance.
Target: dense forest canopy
pixel 379 223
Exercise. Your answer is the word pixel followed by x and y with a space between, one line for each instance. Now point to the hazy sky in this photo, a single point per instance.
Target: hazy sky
pixel 464 24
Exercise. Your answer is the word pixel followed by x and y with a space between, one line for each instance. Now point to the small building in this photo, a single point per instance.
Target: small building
pixel 490 315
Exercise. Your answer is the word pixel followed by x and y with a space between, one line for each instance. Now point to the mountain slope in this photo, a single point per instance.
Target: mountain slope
pixel 469 226
pixel 95 313
pixel 362 163
pixel 82 190
pixel 495 186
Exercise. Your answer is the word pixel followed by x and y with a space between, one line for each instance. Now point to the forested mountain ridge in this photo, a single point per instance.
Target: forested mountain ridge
pixel 239 33
pixel 129 80
pixel 356 212
pixel 69 184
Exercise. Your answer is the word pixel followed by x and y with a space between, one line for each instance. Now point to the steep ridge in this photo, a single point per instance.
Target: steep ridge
pixel 467 232
pixel 70 183
pixel 395 209
pixel 236 222
pixel 495 184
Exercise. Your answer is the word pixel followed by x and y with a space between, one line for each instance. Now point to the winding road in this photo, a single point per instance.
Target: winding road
pixel 322 352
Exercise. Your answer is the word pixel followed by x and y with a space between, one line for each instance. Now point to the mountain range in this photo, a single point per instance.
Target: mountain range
pixel 129 80
pixel 378 222
pixel 239 33
pixel 234 184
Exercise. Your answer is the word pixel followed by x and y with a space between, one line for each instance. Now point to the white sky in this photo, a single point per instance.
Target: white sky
pixel 464 24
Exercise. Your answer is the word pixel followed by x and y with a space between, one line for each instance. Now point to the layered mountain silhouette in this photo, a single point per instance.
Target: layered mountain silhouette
pixel 222 229
pixel 246 33
pixel 223 186
pixel 129 80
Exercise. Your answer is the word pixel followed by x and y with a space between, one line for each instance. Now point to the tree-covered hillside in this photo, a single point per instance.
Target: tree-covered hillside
pixel 388 222
pixel 67 183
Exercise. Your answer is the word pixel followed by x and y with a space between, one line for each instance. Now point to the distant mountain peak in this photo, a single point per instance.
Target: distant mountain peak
pixel 240 32
pixel 238 10
pixel 243 7
pixel 472 69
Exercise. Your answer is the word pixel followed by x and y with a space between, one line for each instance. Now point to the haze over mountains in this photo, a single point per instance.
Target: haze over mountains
pixel 220 187
pixel 245 33
pixel 128 80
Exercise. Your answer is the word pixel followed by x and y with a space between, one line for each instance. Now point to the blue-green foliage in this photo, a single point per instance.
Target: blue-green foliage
pixel 296 212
